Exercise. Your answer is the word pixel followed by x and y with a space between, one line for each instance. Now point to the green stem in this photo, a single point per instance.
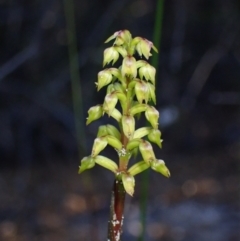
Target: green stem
pixel 157 31
pixel 154 62
pixel 74 73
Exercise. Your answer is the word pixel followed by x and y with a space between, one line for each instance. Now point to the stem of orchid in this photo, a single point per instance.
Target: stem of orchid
pixel 116 211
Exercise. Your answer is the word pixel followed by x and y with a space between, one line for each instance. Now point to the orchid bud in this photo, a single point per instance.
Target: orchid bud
pixel 142 91
pixel 147 151
pixel 138 168
pixel 129 66
pixel 94 113
pixel 86 163
pixel 141 132
pixel 106 163
pixel 155 137
pixel 152 116
pixel 99 144
pixel 128 125
pixel 159 166
pixel 148 72
pixel 128 183
pixel 104 78
pixel 110 102
pixel 110 54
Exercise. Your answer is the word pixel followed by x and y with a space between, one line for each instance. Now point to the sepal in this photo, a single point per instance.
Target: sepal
pixel 110 102
pixel 143 46
pixel 110 89
pixel 138 168
pixel 113 131
pixel 155 137
pixel 141 63
pixel 94 113
pixel 119 87
pixel 115 72
pixel 141 132
pixel 134 143
pixel 138 108
pixel 106 163
pixel 129 67
pixel 148 72
pixel 121 96
pixel 116 114
pixel 102 131
pixel 121 51
pixel 104 78
pixel 147 151
pixel 110 54
pixel 152 115
pixel 99 144
pixel 114 142
pixel 121 37
pixel 128 125
pixel 128 183
pixel 142 91
pixel 112 36
pixel 86 163
pixel 151 89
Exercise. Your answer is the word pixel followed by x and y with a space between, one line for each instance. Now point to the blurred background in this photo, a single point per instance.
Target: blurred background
pixel 51 52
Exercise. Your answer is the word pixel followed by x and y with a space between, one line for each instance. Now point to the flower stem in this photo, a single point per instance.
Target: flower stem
pixel 116 211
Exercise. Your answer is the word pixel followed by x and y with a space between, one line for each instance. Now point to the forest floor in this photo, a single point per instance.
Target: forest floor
pixel 54 203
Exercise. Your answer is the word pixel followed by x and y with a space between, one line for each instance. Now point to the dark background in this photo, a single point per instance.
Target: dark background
pixel 198 95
